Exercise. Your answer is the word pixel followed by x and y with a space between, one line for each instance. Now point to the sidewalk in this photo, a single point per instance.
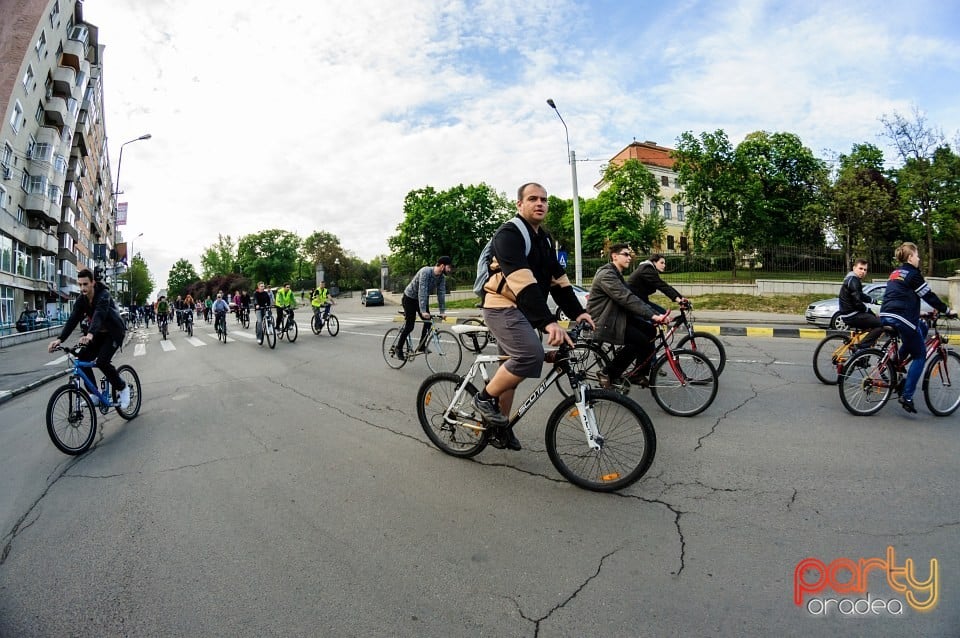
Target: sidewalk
pixel 24 366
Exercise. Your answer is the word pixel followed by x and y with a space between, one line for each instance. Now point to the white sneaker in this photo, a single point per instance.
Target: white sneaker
pixel 125 397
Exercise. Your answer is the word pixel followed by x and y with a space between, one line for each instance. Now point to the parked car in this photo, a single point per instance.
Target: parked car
pixel 372 297
pixel 582 294
pixel 826 313
pixel 31 320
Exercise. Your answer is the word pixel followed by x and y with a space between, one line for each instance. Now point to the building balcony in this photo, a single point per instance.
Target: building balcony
pixel 44 241
pixel 66 228
pixel 67 255
pixel 64 81
pixel 56 111
pixel 70 196
pixel 79 148
pixel 73 52
pixel 75 169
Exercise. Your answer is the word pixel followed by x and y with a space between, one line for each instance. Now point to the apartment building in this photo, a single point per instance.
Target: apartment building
pixel 658 160
pixel 55 179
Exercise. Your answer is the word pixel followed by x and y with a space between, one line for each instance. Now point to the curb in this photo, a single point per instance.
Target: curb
pixel 7 395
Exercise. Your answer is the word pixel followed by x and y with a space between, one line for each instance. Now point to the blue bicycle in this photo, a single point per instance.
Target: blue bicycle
pixel 71 417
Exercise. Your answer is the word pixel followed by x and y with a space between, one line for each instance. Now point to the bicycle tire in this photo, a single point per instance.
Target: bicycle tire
pixel 389 347
pixel 706 344
pixel 864 386
pixel 443 352
pixel 132 379
pixel 258 331
pixel 586 360
pixel 245 320
pixel 71 420
pixel 270 333
pixel 941 383
pixel 333 325
pixel 462 437
pixel 690 395
pixel 163 330
pixel 830 357
pixel 628 442
pixel 292 330
pixel 474 342
pixel 316 324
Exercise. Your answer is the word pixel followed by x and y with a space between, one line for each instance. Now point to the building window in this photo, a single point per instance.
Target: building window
pixel 54 14
pixel 37 185
pixel 38 114
pixel 670 244
pixel 6 253
pixel 60 164
pixel 664 180
pixel 16 118
pixel 683 243
pixel 4 198
pixel 41 152
pixel 679 212
pixel 55 194
pixel 41 45
pixel 20 214
pixel 653 207
pixel 28 78
pixel 667 213
pixel 19 258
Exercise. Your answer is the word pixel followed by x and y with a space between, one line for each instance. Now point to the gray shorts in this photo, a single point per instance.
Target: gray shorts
pixel 517 339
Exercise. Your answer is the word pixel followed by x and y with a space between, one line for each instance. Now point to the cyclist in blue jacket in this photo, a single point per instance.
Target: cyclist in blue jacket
pixel 901 309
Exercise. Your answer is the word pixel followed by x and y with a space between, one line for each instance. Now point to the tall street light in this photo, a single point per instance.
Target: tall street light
pixel 130 267
pixel 572 157
pixel 116 189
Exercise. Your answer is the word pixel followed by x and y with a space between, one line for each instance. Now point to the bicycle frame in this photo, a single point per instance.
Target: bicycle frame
pixel 78 377
pixel 933 344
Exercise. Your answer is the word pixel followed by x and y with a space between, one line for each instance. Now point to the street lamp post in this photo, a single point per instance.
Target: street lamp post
pixel 572 157
pixel 116 189
pixel 130 267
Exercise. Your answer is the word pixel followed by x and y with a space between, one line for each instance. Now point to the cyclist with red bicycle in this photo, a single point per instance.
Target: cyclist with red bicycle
pixel 901 309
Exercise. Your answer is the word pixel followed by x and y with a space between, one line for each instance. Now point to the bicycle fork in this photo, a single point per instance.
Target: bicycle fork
pixel 588 419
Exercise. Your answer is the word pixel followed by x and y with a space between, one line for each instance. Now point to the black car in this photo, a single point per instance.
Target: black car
pixel 372 297
pixel 31 320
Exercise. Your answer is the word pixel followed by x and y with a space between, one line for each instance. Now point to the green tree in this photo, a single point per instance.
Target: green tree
pixel 219 259
pixel 629 206
pixel 181 275
pixel 862 210
pixel 139 283
pixel 457 222
pixel 269 256
pixel 322 248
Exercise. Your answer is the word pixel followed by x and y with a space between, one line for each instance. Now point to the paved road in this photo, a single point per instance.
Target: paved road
pixel 291 492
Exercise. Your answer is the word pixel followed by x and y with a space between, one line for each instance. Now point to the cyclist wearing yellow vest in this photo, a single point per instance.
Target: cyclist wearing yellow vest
pixel 319 301
pixel 285 302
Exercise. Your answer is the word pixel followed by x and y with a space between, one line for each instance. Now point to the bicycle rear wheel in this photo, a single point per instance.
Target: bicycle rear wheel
pixel 706 344
pixel 687 390
pixel 71 420
pixel 941 383
pixel 389 347
pixel 130 377
pixel 443 352
pixel 245 321
pixel 628 441
pixel 333 325
pixel 455 428
pixel 829 358
pixel 865 385
pixel 316 324
pixel 292 330
pixel 586 360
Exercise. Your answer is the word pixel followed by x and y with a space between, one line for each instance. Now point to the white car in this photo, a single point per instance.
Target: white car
pixel 582 294
pixel 826 313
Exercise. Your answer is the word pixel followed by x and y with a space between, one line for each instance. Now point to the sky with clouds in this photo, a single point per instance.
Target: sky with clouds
pixel 322 116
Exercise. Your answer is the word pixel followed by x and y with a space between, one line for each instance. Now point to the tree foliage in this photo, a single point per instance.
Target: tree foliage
pixel 181 275
pixel 321 247
pixel 457 222
pixel 139 283
pixel 270 255
pixel 219 259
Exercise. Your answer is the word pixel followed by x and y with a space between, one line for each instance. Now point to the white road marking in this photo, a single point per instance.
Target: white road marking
pixel 195 342
pixel 57 361
pixel 139 350
pixel 167 346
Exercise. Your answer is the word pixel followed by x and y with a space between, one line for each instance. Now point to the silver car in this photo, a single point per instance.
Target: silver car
pixel 826 313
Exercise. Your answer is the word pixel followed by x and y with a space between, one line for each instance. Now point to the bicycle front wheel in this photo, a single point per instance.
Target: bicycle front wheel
pixel 453 426
pixel 686 388
pixel 333 325
pixel 292 330
pixel 71 420
pixel 941 383
pixel 443 352
pixel 270 333
pixel 866 383
pixel 829 358
pixel 130 377
pixel 708 345
pixel 190 329
pixel 586 360
pixel 627 441
pixel 391 341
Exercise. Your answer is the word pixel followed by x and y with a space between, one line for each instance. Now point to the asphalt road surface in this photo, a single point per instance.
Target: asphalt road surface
pixel 291 492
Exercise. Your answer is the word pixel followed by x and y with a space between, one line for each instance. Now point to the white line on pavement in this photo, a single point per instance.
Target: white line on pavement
pixel 57 361
pixel 139 350
pixel 167 346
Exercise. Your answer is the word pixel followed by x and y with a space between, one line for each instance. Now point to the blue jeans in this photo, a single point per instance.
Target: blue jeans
pixel 912 341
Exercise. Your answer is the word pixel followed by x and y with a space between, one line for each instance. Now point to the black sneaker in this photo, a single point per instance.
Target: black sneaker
pixel 399 354
pixel 503 438
pixel 490 411
pixel 907 404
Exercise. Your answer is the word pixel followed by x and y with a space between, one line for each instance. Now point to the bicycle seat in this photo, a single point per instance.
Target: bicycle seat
pixel 463 328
